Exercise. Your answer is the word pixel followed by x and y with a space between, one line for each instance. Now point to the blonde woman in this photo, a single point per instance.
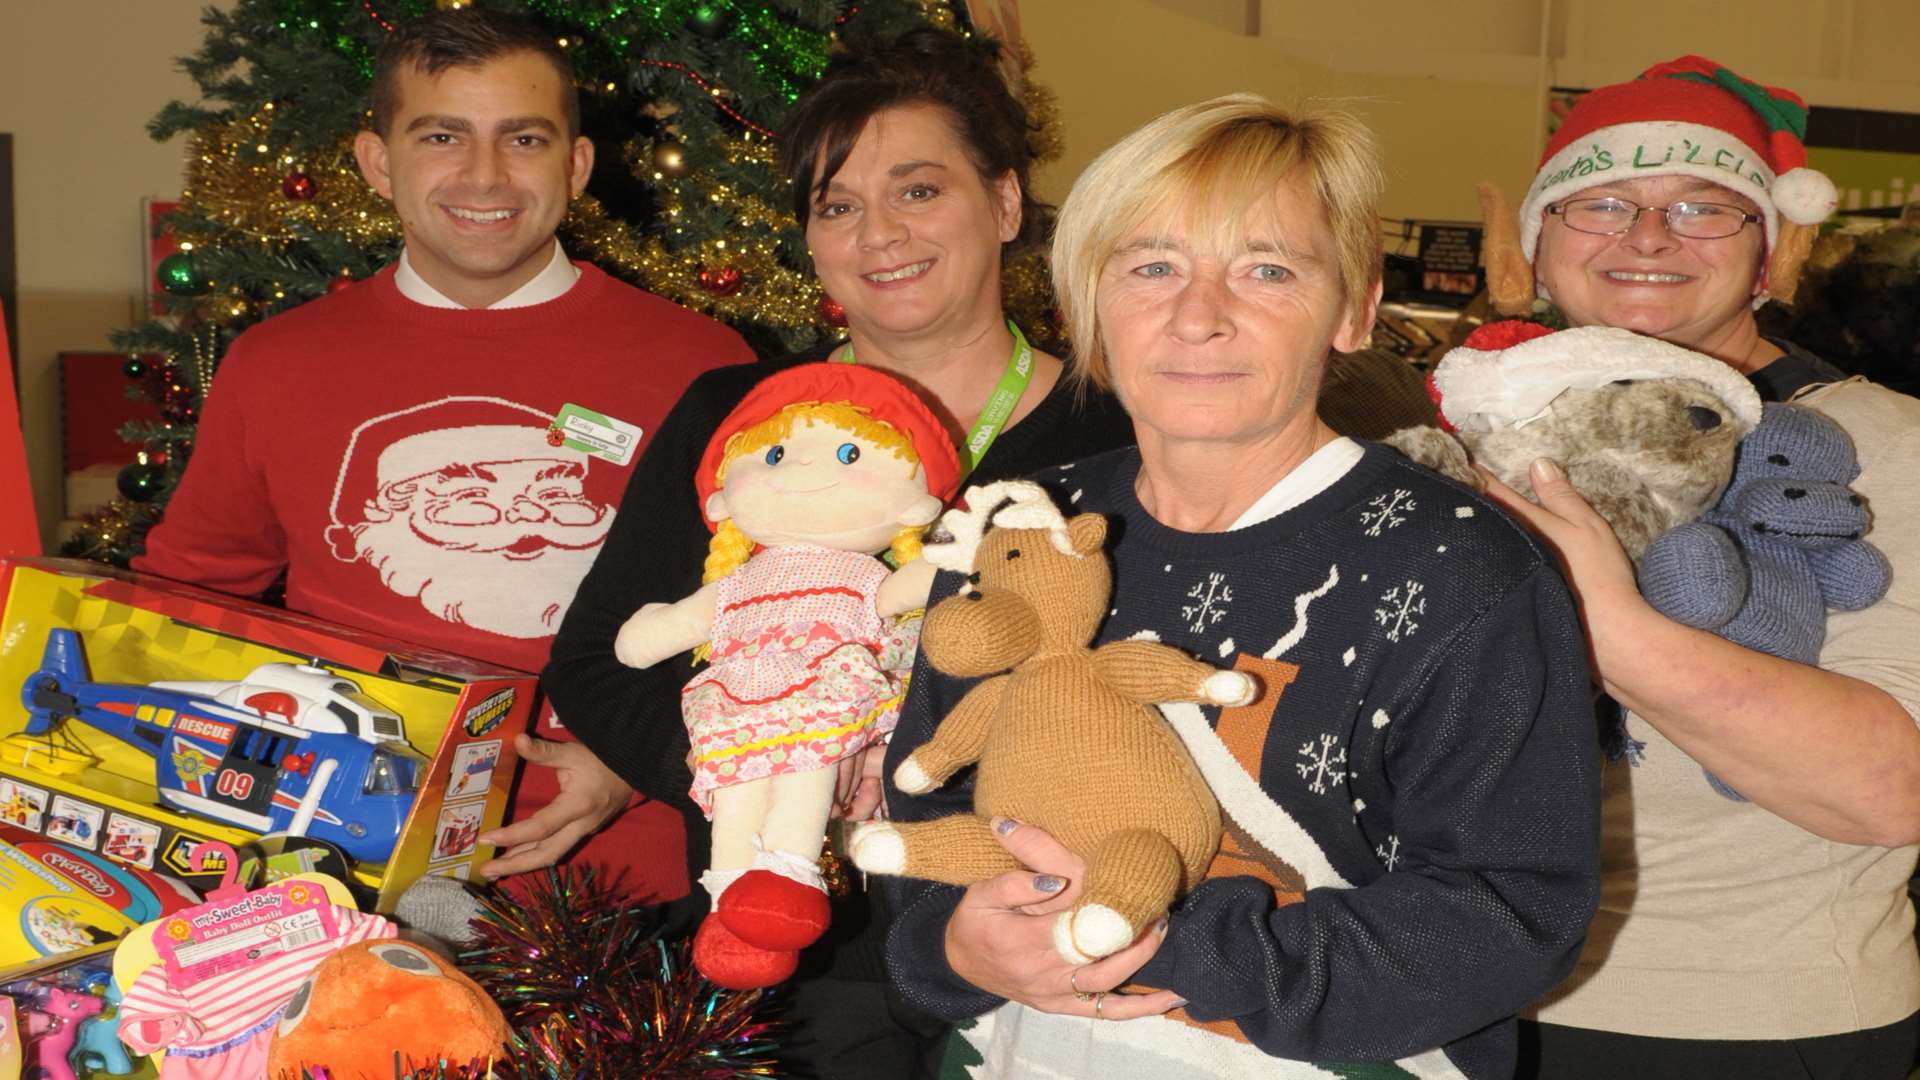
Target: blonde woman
pixel 1412 803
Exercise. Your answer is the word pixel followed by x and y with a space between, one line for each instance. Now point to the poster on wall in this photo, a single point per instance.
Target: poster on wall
pixel 157 241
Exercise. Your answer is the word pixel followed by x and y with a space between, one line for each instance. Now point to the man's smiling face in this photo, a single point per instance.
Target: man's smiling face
pixel 480 165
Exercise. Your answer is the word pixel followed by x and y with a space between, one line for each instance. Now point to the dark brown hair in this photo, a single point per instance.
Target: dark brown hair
pixel 921 66
pixel 465 37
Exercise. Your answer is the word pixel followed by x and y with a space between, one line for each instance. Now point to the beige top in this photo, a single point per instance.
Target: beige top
pixel 1719 920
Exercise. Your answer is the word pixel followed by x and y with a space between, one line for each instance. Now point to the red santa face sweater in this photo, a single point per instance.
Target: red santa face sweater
pixel 401 462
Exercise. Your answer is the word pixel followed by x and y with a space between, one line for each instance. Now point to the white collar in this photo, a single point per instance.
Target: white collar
pixel 550 283
pixel 1309 478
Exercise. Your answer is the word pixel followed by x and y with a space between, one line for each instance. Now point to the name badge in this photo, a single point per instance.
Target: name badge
pixel 596 434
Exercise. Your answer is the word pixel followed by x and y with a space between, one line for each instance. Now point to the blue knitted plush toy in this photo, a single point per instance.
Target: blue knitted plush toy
pixel 1781 547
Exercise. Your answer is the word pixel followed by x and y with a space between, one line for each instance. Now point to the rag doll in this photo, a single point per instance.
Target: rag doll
pixel 1063 736
pixel 1646 431
pixel 1782 546
pixel 816 471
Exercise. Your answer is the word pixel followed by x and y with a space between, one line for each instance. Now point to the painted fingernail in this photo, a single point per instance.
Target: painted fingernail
pixel 1179 1003
pixel 1004 825
pixel 1047 883
pixel 1546 471
pixel 1160 927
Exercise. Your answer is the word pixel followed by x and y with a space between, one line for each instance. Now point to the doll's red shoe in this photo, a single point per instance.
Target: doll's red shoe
pixel 727 961
pixel 774 912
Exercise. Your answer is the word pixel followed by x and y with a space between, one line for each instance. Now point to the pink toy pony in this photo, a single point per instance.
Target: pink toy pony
pixel 55 1025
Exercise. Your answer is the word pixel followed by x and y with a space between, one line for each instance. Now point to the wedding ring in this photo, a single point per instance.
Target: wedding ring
pixel 1099 999
pixel 1078 994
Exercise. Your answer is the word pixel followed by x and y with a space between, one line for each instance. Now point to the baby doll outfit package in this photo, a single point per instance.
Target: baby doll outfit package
pixel 225 970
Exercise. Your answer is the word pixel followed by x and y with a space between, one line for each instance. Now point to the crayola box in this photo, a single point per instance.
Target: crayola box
pixel 140 718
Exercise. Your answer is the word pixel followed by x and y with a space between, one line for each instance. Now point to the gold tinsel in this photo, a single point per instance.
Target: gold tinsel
pixel 234 177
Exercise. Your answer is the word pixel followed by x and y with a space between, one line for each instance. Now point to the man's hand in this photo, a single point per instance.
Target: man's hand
pixel 1000 938
pixel 590 795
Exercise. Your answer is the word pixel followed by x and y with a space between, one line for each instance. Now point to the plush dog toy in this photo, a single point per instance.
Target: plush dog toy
pixel 378 1004
pixel 818 469
pixel 1063 736
pixel 1782 546
pixel 1646 431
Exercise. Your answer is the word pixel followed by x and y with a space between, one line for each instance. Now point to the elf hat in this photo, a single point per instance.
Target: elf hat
pixel 1508 373
pixel 1688 117
pixel 878 394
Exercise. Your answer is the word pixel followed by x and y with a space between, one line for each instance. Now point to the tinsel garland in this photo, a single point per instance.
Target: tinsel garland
pixel 593 992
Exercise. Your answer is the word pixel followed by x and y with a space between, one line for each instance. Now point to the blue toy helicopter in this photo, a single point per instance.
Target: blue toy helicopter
pixel 289 749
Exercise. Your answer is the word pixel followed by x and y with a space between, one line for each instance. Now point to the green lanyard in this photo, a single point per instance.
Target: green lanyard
pixel 1000 405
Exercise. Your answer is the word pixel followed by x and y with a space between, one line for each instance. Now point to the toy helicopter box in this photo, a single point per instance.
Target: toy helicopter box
pixel 140 717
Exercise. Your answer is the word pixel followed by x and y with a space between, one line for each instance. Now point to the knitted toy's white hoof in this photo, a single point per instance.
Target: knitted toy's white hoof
pixel 1090 933
pixel 878 848
pixel 1063 941
pixel 1230 688
pixel 912 779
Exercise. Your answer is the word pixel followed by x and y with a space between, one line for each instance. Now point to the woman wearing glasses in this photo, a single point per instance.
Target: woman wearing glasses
pixel 1771 938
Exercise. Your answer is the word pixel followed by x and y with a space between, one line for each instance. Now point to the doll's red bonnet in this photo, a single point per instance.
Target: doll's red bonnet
pixel 884 398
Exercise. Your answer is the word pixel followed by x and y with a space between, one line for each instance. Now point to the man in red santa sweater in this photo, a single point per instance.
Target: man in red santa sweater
pixel 436 453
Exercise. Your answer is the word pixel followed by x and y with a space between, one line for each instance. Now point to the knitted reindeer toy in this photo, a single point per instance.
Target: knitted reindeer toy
pixel 1063 736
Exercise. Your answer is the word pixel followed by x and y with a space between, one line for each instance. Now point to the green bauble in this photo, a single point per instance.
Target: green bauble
pixel 711 20
pixel 179 275
pixel 141 482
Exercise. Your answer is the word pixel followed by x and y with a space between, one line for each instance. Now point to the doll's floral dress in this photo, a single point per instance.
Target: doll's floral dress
pixel 803 673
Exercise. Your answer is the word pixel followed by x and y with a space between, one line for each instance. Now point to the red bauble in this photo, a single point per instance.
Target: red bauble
pixel 339 283
pixel 722 280
pixel 832 312
pixel 299 186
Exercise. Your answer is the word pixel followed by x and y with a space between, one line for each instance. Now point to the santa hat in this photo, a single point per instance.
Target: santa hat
pixel 1508 373
pixel 426 438
pixel 1688 117
pixel 878 394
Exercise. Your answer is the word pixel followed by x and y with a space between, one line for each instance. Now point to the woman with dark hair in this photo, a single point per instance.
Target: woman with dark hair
pixel 909 161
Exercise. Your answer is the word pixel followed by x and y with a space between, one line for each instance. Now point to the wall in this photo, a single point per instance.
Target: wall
pixel 78 81
pixel 1455 90
pixel 1116 63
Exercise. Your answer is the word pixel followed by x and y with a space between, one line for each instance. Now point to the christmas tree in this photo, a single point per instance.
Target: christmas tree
pixel 679 96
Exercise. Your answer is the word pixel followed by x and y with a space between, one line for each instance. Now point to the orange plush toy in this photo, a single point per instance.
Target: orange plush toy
pixel 371 1001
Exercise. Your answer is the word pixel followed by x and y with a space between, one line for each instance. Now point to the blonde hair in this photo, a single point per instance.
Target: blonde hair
pixel 1215 162
pixel 730 547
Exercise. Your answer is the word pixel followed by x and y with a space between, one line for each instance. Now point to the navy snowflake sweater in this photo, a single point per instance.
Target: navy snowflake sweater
pixel 1412 806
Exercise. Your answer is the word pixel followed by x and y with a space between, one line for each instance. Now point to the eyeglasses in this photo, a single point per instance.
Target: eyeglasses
pixel 1693 220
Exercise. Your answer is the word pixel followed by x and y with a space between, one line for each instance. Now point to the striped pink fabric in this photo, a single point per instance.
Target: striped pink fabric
pixel 220 1029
